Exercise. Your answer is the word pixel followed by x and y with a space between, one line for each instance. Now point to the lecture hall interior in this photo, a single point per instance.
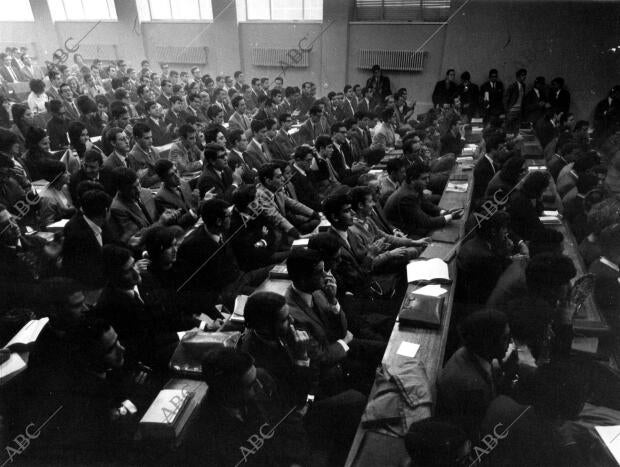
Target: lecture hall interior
pixel 310 233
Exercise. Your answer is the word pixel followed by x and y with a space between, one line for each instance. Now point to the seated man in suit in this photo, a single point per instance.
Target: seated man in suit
pixel 120 147
pixel 239 158
pixel 217 178
pixel 482 259
pixel 162 133
pixel 569 174
pixel 193 108
pixel 174 116
pixel 84 236
pixel 133 208
pixel 286 143
pixel 563 156
pixel 175 195
pixel 302 178
pixel 208 261
pixel 386 253
pixel 384 136
pixel 256 147
pixel 143 155
pixel 238 120
pixel 240 403
pixel 184 152
pixel 486 167
pixel 468 382
pixel 283 212
pixel 255 242
pixel 120 303
pixel 408 209
pixel 313 305
pixel 282 351
pixel 313 127
pixel 58 126
pixel 607 270
pixel 525 205
pixel 89 170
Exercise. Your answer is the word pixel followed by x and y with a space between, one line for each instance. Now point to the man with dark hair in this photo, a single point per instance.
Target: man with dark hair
pixel 384 136
pixel 283 212
pixel 58 126
pixel 384 252
pixel 175 195
pixel 255 242
pixel 217 178
pixel 514 101
pixel 238 120
pixel 256 148
pixel 468 382
pixel 395 176
pixel 154 120
pixel 563 156
pixel 84 236
pixel 209 263
pixel 525 205
pixel 436 442
pixel 492 96
pixel 408 209
pixel 379 84
pixel 143 155
pixel 486 168
pixel 282 351
pixel 285 142
pixel 313 127
pixel 240 405
pixel 469 95
pixel 174 115
pixel 482 259
pixel 120 147
pixel 185 153
pixel 193 108
pixel 89 170
pixel 559 97
pixel 238 157
pixel 568 176
pixel 302 178
pixel 166 94
pixel 445 90
pixel 133 208
pixel 542 317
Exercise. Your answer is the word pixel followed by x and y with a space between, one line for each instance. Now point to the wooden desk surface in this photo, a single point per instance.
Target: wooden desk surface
pixel 432 342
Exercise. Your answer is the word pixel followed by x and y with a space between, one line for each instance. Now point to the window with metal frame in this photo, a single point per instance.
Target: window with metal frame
pixel 174 10
pixel 82 10
pixel 279 10
pixel 402 10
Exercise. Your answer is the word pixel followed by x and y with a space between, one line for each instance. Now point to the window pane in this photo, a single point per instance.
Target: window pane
pixel 241 13
pixel 286 9
pixel 56 10
pixel 144 13
pixel 74 9
pixel 313 10
pixel 97 9
pixel 160 9
pixel 258 9
pixel 185 9
pixel 206 10
pixel 18 11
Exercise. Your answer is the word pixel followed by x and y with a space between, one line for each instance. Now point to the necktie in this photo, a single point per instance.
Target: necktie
pixel 144 211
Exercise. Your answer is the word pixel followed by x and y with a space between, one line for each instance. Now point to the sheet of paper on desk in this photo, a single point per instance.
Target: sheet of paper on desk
pixel 533 168
pixel 464 159
pixel 550 220
pixel 457 187
pixel 609 435
pixel 585 344
pixel 427 270
pixel 432 290
pixel 408 349
pixel 551 213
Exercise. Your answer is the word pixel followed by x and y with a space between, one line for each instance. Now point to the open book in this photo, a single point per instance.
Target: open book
pixel 429 270
pixel 18 346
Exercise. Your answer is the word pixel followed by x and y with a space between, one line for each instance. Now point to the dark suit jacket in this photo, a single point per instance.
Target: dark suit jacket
pixel 244 243
pixel 512 95
pixel 308 132
pixel 350 274
pixel 464 389
pixel 81 254
pixel 164 101
pixel 532 111
pixel 305 190
pixel 57 131
pixel 444 93
pixel 256 153
pixel 137 159
pixel 210 179
pixel 560 102
pixel 183 200
pixel 495 104
pixel 524 220
pixel 238 122
pixel 249 164
pixel 285 145
pixel 545 131
pixel 221 270
pixel 128 219
pixel 325 330
pixel 410 212
pixel 159 131
pixel 483 173
pixel 381 87
pixel 606 285
pixel 479 268
pixel 469 98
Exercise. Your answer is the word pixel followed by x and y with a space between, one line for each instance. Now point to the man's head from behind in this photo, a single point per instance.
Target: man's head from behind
pixel 64 301
pixel 434 442
pixel 119 267
pixel 486 334
pixel 267 314
pixel 231 376
pixel 215 214
pixel 306 269
pixel 548 276
pixel 127 184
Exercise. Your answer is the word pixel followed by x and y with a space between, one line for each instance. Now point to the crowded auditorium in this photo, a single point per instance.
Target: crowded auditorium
pixel 310 233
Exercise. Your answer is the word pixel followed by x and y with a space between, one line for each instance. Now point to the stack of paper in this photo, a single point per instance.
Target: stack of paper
pixel 430 270
pixel 161 420
pixel 237 315
pixel 301 243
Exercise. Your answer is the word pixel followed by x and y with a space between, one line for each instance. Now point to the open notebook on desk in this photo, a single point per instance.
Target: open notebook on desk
pixel 424 271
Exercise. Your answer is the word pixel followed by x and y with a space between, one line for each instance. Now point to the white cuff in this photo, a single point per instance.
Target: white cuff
pixel 448 217
pixel 305 362
pixel 202 325
pixel 343 344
